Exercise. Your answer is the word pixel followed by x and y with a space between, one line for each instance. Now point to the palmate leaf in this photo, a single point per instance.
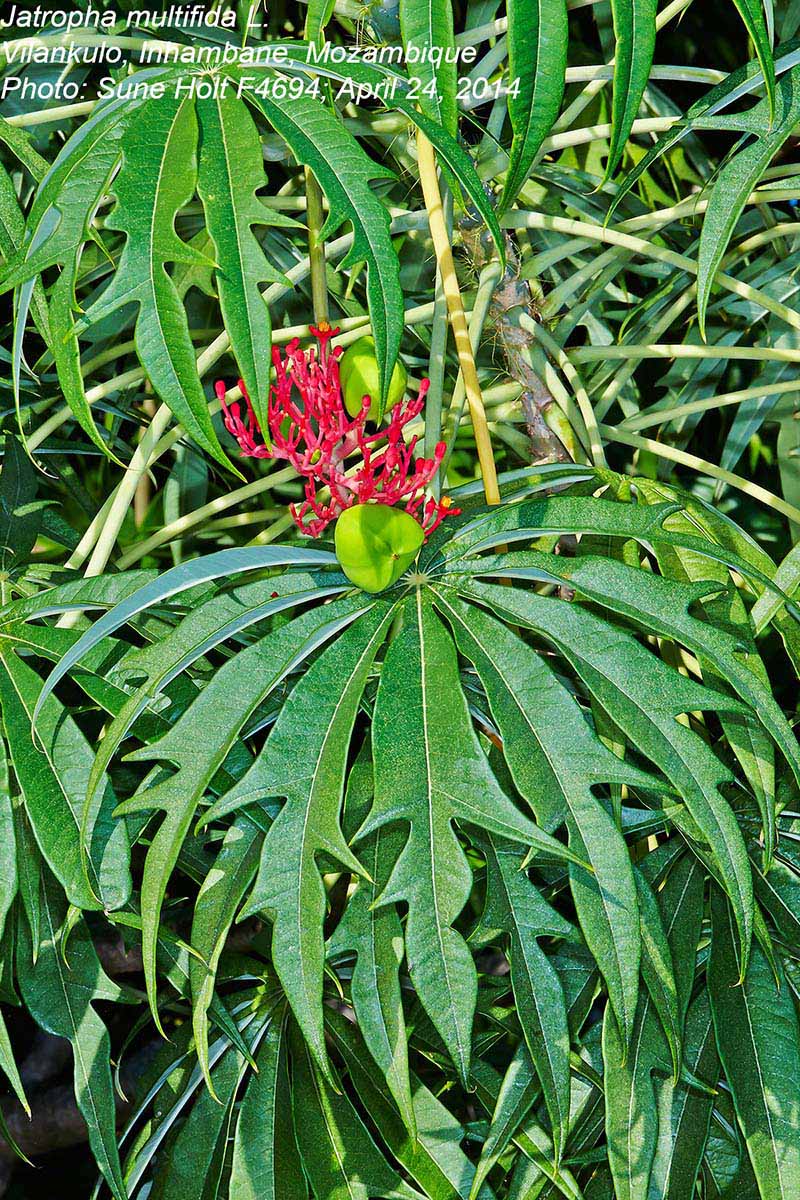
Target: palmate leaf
pixel 60 996
pixel 57 227
pixel 530 1136
pixel 8 849
pixel 149 192
pixel 319 141
pixel 643 697
pixel 684 1112
pixel 635 33
pixel 197 634
pixel 375 935
pixel 736 181
pixel 426 23
pixel 12 233
pixel 294 57
pixel 757 1033
pixel 541 74
pixel 230 170
pixel 339 1155
pixel 631 1112
pixel 266 1162
pixel 201 739
pixel 305 760
pixel 530 519
pixel 19 520
pixel 513 1100
pixel 752 14
pixel 129 603
pixel 429 771
pixel 555 761
pixel 704 114
pixel 196 1157
pixel 514 907
pixel 218 901
pixel 433 1158
pixel 86 848
pixel 665 606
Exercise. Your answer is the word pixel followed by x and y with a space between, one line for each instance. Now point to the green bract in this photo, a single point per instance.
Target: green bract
pixel 375 544
pixel 359 374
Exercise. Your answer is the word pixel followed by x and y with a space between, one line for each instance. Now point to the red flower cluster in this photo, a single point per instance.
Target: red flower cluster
pixel 314 433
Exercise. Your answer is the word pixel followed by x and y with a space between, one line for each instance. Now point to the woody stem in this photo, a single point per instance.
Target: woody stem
pixel 458 319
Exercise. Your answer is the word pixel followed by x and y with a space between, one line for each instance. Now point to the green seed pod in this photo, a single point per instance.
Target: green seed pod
pixel 375 544
pixel 358 371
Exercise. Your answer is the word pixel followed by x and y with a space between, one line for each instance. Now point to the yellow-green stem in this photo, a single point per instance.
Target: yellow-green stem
pixel 315 219
pixel 458 320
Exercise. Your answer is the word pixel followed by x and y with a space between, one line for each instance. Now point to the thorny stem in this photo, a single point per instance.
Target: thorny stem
pixel 458 320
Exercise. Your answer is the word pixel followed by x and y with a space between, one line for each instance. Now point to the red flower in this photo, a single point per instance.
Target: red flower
pixel 310 428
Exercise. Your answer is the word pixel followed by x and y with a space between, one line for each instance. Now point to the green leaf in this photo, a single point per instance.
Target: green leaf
pixel 30 871
pixel 702 114
pixel 514 906
pixel 684 1113
pixel 429 771
pixel 222 564
pixel 318 140
pixel 340 1158
pixel 86 848
pixel 752 14
pixel 8 845
pixel 59 223
pixel 231 169
pixel 374 934
pixel 736 181
pixel 197 1154
pixel 60 998
pixel 537 58
pixel 12 234
pixel 266 1162
pixel 318 15
pixel 434 1157
pixel 425 24
pixel 9 1067
pixel 759 1045
pixel 19 143
pixel 294 57
pixel 631 1113
pixel 658 970
pixel 555 761
pixel 150 189
pixel 723 640
pixel 531 1138
pixel 202 629
pixel 198 743
pixel 305 760
pixel 635 33
pixel 19 521
pixel 218 901
pixel 643 696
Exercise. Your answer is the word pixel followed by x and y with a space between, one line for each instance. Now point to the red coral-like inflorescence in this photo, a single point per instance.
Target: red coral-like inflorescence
pixel 311 429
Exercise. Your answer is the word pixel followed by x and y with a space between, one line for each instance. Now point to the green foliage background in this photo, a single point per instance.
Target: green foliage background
pixel 488 885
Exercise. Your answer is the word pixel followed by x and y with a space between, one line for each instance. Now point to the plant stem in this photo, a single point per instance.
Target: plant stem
pixel 436 364
pixel 315 219
pixel 458 320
